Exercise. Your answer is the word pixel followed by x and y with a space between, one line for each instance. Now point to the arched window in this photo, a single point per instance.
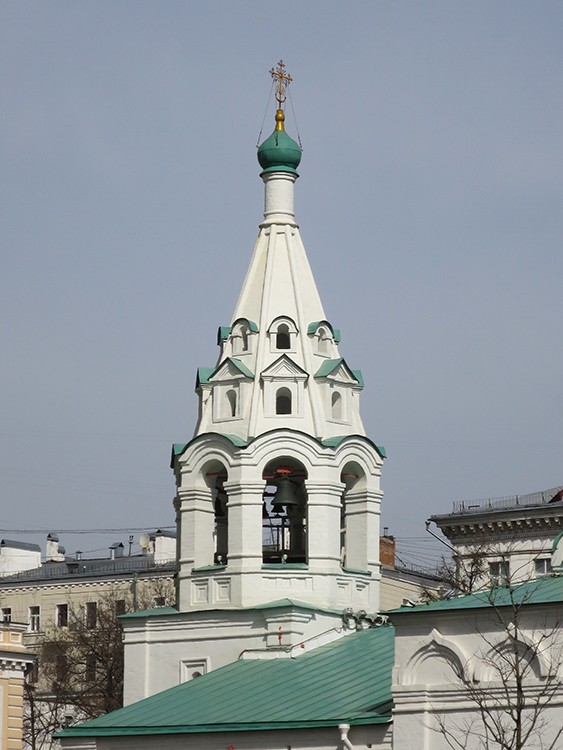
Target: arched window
pixel 283 401
pixel 283 339
pixel 323 341
pixel 336 404
pixel 232 399
pixel 244 338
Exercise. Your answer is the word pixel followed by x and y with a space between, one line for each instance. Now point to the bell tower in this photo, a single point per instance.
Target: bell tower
pixel 278 492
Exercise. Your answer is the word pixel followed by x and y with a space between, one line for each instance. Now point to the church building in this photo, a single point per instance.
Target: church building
pixel 276 641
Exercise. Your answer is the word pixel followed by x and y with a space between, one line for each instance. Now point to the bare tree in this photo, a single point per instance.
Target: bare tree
pixel 520 661
pixel 81 662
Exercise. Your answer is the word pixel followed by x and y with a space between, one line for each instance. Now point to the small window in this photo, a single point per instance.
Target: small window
pixel 90 670
pixel 499 573
pixel 244 338
pixel 62 615
pixel 336 405
pixel 232 399
pixel 191 670
pixel 61 667
pixel 120 607
pixel 323 341
pixel 283 338
pixel 283 401
pixel 543 566
pixel 34 623
pixel 33 675
pixel 6 614
pixel 91 615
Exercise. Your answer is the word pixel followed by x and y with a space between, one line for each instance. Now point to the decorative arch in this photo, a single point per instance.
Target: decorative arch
pixel 490 665
pixel 241 336
pixel 282 333
pixel 437 661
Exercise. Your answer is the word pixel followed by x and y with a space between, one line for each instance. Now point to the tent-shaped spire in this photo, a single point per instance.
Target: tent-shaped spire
pixel 279 312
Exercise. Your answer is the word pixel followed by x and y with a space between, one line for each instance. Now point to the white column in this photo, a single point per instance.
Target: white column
pixel 245 524
pixel 362 529
pixel 323 524
pixel 278 198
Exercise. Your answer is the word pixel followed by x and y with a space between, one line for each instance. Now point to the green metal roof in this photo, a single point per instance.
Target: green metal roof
pixel 251 324
pixel 203 375
pixel 223 333
pixel 359 377
pixel 545 590
pixel 279 153
pixel 237 363
pixel 330 365
pixel 348 680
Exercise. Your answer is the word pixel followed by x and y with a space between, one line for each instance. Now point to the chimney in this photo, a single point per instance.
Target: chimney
pixel 387 550
pixel 53 550
pixel 116 550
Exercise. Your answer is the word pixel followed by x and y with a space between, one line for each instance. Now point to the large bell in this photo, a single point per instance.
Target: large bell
pixel 286 494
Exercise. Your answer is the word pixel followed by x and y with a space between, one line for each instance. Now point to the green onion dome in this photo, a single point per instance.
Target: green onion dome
pixel 279 152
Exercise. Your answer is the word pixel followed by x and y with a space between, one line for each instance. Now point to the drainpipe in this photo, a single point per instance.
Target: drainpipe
pixel 344 729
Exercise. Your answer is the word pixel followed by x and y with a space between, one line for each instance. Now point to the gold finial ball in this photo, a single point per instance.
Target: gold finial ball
pixel 280 119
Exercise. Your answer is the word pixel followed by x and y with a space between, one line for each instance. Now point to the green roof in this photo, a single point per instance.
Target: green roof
pixel 203 375
pixel 223 332
pixel 279 153
pixel 346 681
pixel 237 363
pixel 334 442
pixel 330 365
pixel 545 590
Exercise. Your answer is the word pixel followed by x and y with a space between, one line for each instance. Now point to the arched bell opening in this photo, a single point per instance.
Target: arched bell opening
pixel 353 478
pixel 215 477
pixel 284 512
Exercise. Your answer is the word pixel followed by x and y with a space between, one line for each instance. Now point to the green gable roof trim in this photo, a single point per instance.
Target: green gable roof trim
pixel 346 681
pixel 223 333
pixel 545 590
pixel 250 323
pixel 334 442
pixel 330 365
pixel 203 375
pixel 242 367
pixel 359 377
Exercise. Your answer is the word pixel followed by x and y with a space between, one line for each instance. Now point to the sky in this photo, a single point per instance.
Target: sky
pixel 430 204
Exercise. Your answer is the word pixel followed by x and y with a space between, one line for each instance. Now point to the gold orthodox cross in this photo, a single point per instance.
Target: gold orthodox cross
pixel 282 80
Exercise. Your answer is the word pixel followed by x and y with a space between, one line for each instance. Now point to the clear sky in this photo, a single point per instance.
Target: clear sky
pixel 430 204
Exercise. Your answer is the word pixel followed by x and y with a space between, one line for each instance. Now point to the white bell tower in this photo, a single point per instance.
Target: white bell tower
pixel 278 492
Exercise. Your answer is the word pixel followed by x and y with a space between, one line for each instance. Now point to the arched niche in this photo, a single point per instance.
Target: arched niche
pixel 438 661
pixel 214 474
pixel 282 334
pixel 284 512
pixel 283 401
pixel 353 478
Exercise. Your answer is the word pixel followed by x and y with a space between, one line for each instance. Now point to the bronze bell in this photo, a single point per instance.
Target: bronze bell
pixel 286 494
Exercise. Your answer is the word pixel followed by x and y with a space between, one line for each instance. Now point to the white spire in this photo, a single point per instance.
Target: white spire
pixel 279 364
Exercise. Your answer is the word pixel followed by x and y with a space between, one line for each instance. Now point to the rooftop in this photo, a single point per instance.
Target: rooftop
pixel 533 499
pixel 347 680
pixel 545 590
